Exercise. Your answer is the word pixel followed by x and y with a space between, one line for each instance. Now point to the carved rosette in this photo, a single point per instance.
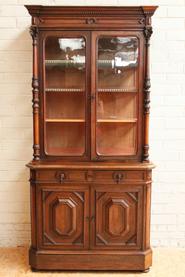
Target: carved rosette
pixel 35 92
pixel 147 34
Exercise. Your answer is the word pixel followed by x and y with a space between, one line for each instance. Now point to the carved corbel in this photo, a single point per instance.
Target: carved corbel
pixel 34 33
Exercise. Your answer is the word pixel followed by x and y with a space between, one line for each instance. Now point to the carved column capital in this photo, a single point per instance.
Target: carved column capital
pixel 34 32
pixel 147 32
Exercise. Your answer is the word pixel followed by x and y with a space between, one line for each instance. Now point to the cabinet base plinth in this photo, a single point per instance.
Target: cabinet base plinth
pixel 90 260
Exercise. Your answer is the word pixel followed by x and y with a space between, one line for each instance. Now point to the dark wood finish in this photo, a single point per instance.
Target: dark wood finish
pixel 94 176
pixel 116 216
pixel 147 34
pixel 91 260
pixel 64 214
pixel 35 91
pixel 90 165
pixel 90 210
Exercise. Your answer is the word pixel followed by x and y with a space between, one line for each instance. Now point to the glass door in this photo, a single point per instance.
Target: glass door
pixel 117 87
pixel 65 92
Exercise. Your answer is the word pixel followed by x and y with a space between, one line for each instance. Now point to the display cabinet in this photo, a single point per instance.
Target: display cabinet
pixel 90 176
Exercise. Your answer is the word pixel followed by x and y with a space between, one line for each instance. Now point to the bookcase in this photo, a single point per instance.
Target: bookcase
pixel 90 176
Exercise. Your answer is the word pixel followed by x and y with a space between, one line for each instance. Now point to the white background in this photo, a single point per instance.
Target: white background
pixel 167 121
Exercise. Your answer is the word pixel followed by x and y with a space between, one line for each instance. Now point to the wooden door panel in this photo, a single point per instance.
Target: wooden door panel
pixel 117 213
pixel 64 211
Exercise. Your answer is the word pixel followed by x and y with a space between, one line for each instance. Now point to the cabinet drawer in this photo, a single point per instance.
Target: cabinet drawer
pixel 60 176
pixel 118 176
pixel 90 176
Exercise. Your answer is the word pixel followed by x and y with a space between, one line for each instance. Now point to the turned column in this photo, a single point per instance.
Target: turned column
pixel 147 85
pixel 35 91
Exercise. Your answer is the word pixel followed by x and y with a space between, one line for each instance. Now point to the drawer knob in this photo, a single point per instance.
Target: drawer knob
pixel 60 176
pixel 118 176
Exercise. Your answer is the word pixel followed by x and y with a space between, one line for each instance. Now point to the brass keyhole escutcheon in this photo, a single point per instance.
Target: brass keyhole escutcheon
pixel 118 177
pixel 61 176
pixel 90 20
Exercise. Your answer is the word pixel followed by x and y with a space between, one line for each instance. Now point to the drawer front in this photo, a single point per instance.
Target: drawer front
pixel 60 176
pixel 118 176
pixel 89 176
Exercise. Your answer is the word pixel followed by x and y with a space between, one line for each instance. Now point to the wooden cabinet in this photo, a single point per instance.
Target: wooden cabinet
pixel 116 216
pixel 90 173
pixel 64 213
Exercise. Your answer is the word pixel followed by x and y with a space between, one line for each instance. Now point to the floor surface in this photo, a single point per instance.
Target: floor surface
pixel 167 262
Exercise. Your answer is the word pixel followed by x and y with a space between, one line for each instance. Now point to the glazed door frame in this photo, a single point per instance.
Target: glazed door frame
pixel 91 85
pixel 65 34
pixel 49 198
pixel 94 51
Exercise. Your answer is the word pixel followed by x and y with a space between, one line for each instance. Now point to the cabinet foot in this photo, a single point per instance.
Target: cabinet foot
pixel 146 270
pixel 34 269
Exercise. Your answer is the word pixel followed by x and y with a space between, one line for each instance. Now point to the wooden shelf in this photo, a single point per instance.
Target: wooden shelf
pixel 133 120
pixel 82 90
pixel 73 62
pixel 55 120
pixel 59 61
pixel 63 62
pixel 64 90
pixel 130 90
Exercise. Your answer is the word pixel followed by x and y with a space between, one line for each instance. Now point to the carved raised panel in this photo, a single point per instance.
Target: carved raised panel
pixel 117 211
pixel 63 218
pixel 64 213
pixel 116 218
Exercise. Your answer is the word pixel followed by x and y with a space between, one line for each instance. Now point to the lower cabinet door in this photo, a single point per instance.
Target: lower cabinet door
pixel 116 216
pixel 63 213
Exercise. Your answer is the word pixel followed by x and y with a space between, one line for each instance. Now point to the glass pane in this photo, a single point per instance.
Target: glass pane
pixel 117 63
pixel 116 106
pixel 117 96
pixel 66 138
pixel 69 105
pixel 115 139
pixel 65 63
pixel 65 75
